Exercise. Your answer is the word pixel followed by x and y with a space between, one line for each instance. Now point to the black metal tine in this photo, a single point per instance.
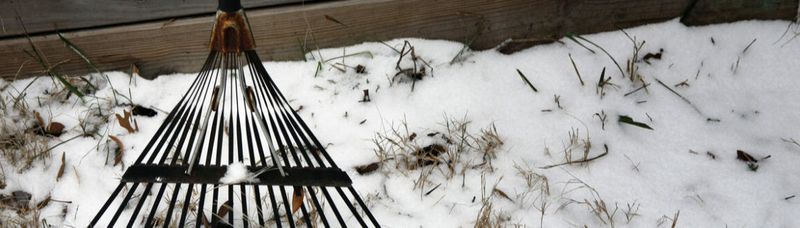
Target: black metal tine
pixel 172 203
pixel 271 87
pixel 318 206
pixel 239 132
pixel 200 208
pixel 135 214
pixel 274 204
pixel 277 137
pixel 333 206
pixel 364 206
pixel 156 202
pixel 350 205
pixel 290 129
pixel 303 210
pixel 275 161
pixel 283 130
pixel 248 134
pixel 107 204
pixel 234 105
pixel 170 134
pixel 186 203
pixel 211 57
pixel 215 191
pixel 124 203
pixel 265 82
pixel 289 215
pixel 194 151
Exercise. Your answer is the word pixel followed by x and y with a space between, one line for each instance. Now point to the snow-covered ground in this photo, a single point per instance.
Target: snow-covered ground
pixel 714 91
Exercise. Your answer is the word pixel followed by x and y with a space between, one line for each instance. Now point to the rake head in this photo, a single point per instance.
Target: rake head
pixel 234 112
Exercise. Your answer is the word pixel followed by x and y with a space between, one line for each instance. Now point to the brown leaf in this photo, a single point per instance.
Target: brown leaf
pixel 744 156
pixel 368 168
pixel 412 136
pixel 297 199
pixel 224 209
pixel 125 122
pixel 206 223
pixel 43 203
pixel 120 149
pixel 55 129
pixel 61 169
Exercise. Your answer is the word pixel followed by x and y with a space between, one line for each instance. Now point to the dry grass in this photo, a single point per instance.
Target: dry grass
pixel 446 153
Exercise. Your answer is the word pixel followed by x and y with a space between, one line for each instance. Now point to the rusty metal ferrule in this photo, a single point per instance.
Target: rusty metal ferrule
pixel 231 33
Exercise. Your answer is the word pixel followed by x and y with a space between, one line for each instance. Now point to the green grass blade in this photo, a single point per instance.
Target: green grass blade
pixel 628 120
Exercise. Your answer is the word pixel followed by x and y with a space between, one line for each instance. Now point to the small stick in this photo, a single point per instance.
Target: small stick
pixel 521 75
pixel 636 90
pixel 679 95
pixel 748 46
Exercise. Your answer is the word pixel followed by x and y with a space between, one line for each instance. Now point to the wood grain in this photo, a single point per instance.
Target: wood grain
pixel 49 15
pixel 162 47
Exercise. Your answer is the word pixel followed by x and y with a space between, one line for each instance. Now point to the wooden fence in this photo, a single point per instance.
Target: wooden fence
pixel 174 37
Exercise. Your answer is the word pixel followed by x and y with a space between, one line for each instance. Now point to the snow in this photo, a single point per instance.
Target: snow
pixel 752 93
pixel 237 173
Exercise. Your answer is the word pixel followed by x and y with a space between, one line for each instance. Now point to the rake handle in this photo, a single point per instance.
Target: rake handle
pixel 230 6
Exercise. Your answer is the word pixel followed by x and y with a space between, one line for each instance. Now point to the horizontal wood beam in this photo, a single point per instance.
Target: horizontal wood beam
pixel 166 46
pixel 48 15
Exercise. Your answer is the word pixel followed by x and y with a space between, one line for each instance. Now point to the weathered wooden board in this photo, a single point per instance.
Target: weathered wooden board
pixel 65 15
pixel 711 11
pixel 181 45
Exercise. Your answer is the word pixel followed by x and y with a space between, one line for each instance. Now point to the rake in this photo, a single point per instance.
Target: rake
pixel 234 113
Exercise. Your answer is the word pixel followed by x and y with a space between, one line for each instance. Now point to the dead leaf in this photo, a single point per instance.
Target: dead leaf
pixel 125 122
pixel 297 199
pixel 55 129
pixel 43 203
pixel 224 209
pixel 744 156
pixel 61 169
pixel 368 168
pixel 502 194
pixel 120 149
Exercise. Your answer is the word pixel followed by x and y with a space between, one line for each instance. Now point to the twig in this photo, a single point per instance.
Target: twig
pixel 579 161
pixel 636 90
pixel 748 46
pixel 679 95
pixel 521 75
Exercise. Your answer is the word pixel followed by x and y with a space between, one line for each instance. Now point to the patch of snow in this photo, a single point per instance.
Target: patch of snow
pixel 687 163
pixel 237 173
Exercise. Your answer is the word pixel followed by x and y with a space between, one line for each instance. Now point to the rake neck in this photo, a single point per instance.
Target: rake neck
pixel 231 32
pixel 230 6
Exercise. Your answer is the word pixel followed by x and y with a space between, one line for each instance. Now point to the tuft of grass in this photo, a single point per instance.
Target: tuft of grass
pixel 441 154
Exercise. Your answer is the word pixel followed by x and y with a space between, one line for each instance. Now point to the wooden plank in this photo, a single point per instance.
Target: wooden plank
pixel 181 46
pixel 710 11
pixel 47 15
